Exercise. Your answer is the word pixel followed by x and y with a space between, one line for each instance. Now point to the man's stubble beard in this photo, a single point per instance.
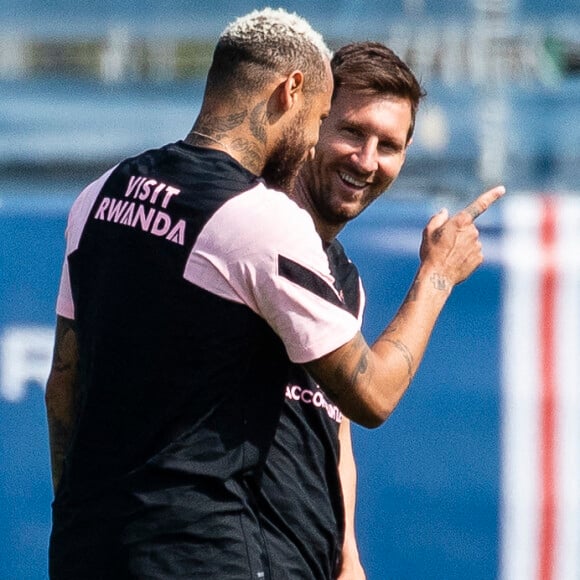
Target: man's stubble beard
pixel 282 167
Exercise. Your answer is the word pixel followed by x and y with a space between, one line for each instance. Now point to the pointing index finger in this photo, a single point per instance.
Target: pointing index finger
pixel 479 205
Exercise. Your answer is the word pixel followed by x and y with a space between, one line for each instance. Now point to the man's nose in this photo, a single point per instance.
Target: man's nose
pixel 366 157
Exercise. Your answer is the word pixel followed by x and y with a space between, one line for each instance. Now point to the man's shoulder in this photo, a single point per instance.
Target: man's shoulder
pixel 271 216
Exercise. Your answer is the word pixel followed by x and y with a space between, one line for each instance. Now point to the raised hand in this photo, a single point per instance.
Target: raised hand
pixel 451 245
pixel 367 383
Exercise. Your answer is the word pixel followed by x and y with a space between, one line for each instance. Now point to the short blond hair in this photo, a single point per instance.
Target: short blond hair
pixel 264 43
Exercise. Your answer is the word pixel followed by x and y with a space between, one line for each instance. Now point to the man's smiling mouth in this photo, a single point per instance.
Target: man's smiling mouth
pixel 351 180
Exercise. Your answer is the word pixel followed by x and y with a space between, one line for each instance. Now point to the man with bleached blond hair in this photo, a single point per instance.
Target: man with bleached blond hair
pixel 175 323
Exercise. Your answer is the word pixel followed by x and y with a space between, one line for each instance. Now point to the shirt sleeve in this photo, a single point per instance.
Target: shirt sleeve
pixel 77 218
pixel 260 249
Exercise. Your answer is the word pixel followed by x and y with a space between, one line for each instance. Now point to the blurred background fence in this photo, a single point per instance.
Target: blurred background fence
pixel 477 474
pixel 83 83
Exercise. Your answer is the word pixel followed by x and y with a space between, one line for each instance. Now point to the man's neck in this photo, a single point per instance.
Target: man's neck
pixel 229 136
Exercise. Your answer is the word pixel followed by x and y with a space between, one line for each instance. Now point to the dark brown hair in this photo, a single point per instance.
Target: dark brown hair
pixel 372 68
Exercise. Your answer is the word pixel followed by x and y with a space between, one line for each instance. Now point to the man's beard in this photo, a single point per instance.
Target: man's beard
pixel 284 164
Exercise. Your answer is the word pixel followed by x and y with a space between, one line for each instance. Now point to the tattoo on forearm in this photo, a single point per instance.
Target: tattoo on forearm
pixel 439 282
pixel 407 355
pixel 362 366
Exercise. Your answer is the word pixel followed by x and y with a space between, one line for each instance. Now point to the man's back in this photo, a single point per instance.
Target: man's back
pixel 188 282
pixel 173 392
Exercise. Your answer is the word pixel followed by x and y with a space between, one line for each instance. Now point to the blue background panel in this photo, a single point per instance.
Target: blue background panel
pixel 428 478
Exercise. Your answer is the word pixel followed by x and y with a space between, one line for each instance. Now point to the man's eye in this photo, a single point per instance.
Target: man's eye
pixel 388 147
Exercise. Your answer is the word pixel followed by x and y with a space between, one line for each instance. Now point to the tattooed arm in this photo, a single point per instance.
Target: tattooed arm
pixel 367 382
pixel 62 395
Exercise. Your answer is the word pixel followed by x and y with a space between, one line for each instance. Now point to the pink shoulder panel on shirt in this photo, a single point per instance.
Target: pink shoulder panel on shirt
pixel 77 218
pixel 236 257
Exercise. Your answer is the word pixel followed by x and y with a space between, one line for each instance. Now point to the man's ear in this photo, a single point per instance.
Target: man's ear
pixel 292 89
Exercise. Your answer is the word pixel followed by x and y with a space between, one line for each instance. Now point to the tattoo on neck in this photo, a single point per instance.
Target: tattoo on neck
pixel 219 126
pixel 229 122
pixel 258 120
pixel 250 156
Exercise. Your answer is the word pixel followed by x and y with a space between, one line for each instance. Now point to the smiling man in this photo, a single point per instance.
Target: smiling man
pixel 363 143
pixel 309 483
